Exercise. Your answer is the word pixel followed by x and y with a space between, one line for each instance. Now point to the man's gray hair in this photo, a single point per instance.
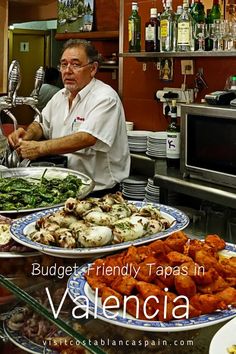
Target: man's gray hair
pixel 90 50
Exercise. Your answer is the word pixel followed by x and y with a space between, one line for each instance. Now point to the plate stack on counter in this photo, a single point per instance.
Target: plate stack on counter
pixel 152 192
pixel 137 140
pixel 156 144
pixel 134 187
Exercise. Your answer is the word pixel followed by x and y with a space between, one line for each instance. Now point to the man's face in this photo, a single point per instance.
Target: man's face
pixel 76 70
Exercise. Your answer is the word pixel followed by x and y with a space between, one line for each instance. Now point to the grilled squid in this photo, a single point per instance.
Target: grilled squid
pixel 129 229
pixel 95 236
pixel 100 218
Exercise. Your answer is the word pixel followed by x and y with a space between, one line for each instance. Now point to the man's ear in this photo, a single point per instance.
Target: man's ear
pixel 94 68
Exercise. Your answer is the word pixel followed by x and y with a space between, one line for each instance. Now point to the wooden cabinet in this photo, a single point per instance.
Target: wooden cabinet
pixel 95 35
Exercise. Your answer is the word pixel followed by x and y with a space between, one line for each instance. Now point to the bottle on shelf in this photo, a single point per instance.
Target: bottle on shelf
pixel 173 139
pixel 185 30
pixel 152 32
pixel 179 11
pixel 167 28
pixel 213 14
pixel 198 12
pixel 191 6
pixel 198 15
pixel 134 27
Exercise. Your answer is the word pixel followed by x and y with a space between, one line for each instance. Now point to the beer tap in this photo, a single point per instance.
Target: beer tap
pixel 14 81
pixel 12 100
pixel 11 158
pixel 39 79
pixel 9 101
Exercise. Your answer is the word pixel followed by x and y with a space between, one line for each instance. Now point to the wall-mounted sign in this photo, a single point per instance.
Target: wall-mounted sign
pixel 75 15
pixel 24 46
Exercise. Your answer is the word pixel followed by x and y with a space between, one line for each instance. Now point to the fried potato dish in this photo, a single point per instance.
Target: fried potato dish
pixel 164 273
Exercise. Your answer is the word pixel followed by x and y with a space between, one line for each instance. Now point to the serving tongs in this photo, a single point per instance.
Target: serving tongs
pixel 21 294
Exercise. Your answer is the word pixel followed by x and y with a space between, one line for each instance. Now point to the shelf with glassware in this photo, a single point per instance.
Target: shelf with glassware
pixel 196 54
pixel 108 67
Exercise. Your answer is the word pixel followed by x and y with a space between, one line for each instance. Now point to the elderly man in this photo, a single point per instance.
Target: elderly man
pixel 85 120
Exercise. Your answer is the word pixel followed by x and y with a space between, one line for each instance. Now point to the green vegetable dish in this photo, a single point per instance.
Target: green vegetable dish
pixel 18 193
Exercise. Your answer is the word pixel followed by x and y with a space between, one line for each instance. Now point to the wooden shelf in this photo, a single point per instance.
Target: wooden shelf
pixel 109 67
pixel 152 55
pixel 94 35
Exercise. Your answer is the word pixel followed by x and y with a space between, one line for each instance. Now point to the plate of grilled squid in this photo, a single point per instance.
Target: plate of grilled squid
pixel 95 226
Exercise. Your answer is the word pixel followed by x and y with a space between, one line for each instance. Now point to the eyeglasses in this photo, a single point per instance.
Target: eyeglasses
pixel 73 66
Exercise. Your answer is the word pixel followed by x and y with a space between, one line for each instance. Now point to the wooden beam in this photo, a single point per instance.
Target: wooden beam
pixel 3 45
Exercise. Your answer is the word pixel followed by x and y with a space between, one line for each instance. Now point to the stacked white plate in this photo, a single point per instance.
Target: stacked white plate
pixel 156 144
pixel 137 140
pixel 133 187
pixel 152 192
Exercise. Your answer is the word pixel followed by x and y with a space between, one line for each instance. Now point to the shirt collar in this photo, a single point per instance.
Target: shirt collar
pixel 82 93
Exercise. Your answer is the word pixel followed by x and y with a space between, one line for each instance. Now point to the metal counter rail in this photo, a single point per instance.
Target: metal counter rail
pixel 172 180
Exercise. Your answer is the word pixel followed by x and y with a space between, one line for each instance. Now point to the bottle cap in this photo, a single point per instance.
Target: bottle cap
pixel 168 3
pixel 179 9
pixel 153 12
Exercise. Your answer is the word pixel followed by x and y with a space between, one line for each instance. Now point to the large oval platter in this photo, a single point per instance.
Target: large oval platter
pixel 20 228
pixel 78 286
pixel 18 254
pixel 35 173
pixel 23 342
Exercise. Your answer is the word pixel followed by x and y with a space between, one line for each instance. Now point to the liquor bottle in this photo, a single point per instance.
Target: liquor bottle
pixel 152 32
pixel 198 16
pixel 213 14
pixel 134 29
pixel 167 28
pixel 191 6
pixel 185 30
pixel 179 11
pixel 197 12
pixel 173 139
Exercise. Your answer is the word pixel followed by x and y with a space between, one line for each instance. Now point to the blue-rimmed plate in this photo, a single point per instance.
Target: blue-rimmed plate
pixel 224 338
pixel 81 293
pixel 22 227
pixel 23 342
